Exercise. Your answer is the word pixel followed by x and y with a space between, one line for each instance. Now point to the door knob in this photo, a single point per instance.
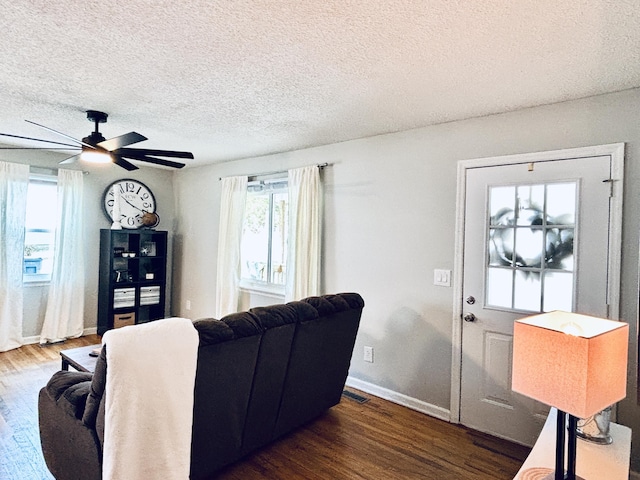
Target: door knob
pixel 469 317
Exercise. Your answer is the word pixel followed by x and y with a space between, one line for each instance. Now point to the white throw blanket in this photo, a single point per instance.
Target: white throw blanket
pixel 151 371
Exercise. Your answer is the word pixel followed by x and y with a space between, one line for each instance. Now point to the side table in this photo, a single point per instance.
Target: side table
pixel 79 358
pixel 593 462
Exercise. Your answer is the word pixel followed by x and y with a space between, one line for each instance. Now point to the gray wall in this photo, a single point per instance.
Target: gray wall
pixel 389 222
pixel 160 181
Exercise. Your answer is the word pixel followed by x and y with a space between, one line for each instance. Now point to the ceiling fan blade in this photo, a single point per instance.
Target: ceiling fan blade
pixel 37 140
pixel 122 141
pixel 70 160
pixel 136 152
pixel 60 133
pixel 40 148
pixel 118 160
pixel 158 161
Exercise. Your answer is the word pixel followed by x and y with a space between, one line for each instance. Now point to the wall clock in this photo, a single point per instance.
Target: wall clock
pixel 132 199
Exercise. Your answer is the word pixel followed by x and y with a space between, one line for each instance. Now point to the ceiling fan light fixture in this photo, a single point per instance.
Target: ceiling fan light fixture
pixel 94 156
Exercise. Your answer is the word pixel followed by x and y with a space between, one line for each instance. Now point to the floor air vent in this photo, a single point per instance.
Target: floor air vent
pixel 354 396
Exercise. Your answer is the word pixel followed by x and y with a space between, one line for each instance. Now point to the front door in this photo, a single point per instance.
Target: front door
pixel 536 239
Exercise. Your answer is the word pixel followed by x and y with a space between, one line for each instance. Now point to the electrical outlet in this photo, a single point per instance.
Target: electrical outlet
pixel 188 304
pixel 368 354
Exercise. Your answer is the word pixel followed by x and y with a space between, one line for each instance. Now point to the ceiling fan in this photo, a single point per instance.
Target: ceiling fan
pixel 95 146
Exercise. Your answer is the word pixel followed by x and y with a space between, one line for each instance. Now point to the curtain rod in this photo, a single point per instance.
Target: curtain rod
pixel 320 166
pixel 48 170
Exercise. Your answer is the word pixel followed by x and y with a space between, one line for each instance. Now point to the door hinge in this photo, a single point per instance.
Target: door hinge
pixel 610 182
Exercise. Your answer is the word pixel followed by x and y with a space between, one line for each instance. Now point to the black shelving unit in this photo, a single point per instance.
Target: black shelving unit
pixel 132 282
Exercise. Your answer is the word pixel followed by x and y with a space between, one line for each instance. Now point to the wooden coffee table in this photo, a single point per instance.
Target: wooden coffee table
pixel 79 358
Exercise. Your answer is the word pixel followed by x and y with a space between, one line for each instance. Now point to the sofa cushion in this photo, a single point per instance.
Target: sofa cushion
pixel 274 315
pixel 243 324
pixel 319 361
pixel 324 306
pixel 224 377
pixel 279 323
pixel 329 304
pixel 212 331
pixel 353 300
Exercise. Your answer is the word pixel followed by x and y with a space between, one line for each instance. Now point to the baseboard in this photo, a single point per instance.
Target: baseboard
pixel 90 331
pixel 36 338
pixel 400 399
pixel 30 340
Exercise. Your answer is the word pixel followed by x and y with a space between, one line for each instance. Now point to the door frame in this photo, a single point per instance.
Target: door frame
pixel 616 152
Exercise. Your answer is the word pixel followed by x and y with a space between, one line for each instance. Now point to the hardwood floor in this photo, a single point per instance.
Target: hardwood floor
pixel 382 440
pixel 372 440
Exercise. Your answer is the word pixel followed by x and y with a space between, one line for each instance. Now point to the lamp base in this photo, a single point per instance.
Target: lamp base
pixel 599 440
pixel 540 473
pixel 595 429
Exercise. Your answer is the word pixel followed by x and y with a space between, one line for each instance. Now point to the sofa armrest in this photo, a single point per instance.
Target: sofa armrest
pixel 71 450
pixel 69 391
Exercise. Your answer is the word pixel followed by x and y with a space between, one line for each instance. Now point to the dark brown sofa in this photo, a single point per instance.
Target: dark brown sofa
pixel 260 375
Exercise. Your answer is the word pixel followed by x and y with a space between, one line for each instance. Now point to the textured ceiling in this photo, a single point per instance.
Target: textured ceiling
pixel 241 78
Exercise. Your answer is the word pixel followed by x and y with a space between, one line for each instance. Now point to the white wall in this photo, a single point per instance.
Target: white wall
pixel 160 181
pixel 389 221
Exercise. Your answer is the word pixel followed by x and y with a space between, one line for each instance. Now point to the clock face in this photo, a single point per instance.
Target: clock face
pixel 128 200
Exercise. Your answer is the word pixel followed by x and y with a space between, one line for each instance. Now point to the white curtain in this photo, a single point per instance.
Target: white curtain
pixel 305 222
pixel 14 182
pixel 64 317
pixel 233 200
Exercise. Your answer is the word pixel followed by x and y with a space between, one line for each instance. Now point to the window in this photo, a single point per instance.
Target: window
pixel 265 235
pixel 531 247
pixel 40 228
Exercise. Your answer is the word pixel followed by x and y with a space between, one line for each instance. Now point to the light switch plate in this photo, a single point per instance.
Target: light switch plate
pixel 442 278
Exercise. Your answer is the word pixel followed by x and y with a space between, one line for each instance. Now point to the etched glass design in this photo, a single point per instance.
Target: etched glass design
pixel 530 251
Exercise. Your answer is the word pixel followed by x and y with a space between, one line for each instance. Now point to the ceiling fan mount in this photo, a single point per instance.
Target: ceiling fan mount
pixel 95 137
pixel 114 149
pixel 97 117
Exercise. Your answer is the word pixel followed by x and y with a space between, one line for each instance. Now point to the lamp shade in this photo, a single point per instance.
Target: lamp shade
pixel 576 363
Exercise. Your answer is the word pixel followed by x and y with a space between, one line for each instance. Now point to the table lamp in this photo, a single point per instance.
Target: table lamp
pixel 575 363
